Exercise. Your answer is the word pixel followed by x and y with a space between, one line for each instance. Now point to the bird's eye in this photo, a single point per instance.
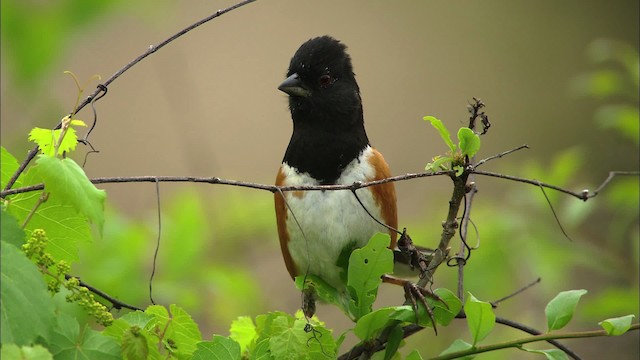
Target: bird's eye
pixel 325 80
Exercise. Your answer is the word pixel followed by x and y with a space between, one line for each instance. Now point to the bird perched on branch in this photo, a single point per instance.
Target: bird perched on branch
pixel 318 230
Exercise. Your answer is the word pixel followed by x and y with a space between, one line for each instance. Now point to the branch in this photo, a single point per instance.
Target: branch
pixel 115 303
pixel 217 180
pixel 582 195
pixel 103 87
pixel 519 342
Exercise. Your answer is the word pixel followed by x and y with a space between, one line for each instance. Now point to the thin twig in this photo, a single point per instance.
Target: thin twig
pixel 500 155
pixel 102 87
pixel 495 303
pixel 115 303
pixel 582 195
pixel 216 180
pixel 555 215
pixel 155 253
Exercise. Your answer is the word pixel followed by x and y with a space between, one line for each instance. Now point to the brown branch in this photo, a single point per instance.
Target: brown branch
pixel 582 195
pixel 351 187
pixel 409 330
pixel 216 180
pixel 102 87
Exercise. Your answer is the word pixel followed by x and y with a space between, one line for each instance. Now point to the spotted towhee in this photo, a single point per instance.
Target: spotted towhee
pixel 329 145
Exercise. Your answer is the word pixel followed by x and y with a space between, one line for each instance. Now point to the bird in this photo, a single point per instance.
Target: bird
pixel 328 146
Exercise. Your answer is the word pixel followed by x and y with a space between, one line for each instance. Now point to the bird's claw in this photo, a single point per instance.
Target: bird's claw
pixel 414 293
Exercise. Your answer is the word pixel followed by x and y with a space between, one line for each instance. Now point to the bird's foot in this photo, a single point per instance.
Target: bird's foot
pixel 414 294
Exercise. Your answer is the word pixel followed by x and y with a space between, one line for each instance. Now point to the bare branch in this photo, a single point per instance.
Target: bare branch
pixel 500 155
pixel 103 87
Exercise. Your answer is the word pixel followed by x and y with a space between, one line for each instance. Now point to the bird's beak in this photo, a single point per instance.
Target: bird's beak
pixel 293 86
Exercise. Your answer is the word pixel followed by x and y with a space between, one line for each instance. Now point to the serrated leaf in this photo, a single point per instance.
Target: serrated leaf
pixel 243 331
pixel 181 330
pixel 459 345
pixel 47 138
pixel 220 348
pixel 287 343
pixel 442 130
pixel 137 318
pixel 469 142
pixel 37 352
pixel 70 342
pixel 65 227
pixel 119 327
pixel 617 326
pixel 9 166
pixel 27 311
pixel 560 309
pixel 11 231
pixel 550 354
pixel 480 318
pixel 366 265
pixel 65 179
pixel 261 351
pixel 281 336
pixel 134 344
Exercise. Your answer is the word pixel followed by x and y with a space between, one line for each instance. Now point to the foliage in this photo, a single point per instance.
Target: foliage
pixel 468 146
pixel 43 232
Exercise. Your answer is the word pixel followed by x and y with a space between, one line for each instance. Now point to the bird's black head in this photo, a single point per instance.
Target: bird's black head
pixel 321 85
pixel 325 104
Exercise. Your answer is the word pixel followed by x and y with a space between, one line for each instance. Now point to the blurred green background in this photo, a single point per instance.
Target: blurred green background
pixel 561 77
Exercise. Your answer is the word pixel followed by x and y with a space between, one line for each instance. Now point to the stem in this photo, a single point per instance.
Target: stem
pixel 519 342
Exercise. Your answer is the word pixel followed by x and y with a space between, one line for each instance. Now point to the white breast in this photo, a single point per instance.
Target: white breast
pixel 330 220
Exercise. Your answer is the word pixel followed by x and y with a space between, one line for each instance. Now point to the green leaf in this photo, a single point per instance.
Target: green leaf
pixel 617 326
pixel 220 348
pixel 11 231
pixel 480 318
pixel 37 352
pixel 27 311
pixel 243 330
pixel 414 355
pixel 559 311
pixel 438 163
pixel 366 265
pixel 181 331
pixel 444 133
pixel 281 336
pixel 287 343
pixel 142 323
pixel 46 140
pixel 459 345
pixel 468 141
pixel 370 325
pixel 396 336
pixel 65 227
pixel 66 179
pixel 9 166
pixel 443 314
pixel 551 354
pixel 134 344
pixel 325 292
pixel 71 342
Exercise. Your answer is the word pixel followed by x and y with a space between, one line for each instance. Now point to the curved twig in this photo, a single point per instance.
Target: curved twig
pixel 102 87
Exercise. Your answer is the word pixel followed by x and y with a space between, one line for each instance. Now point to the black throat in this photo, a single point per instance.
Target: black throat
pixel 324 143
